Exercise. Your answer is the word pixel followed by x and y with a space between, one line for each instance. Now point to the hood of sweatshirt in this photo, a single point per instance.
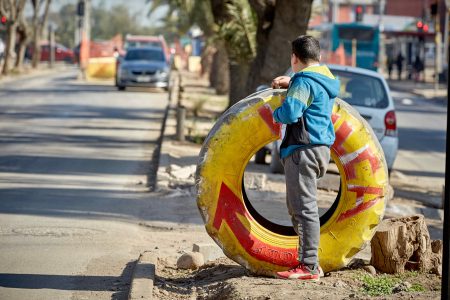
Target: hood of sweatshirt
pixel 323 76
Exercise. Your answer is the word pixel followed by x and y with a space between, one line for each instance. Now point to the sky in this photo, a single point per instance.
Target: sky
pixel 138 7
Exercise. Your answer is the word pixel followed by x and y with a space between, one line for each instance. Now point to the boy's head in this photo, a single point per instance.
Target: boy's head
pixel 305 52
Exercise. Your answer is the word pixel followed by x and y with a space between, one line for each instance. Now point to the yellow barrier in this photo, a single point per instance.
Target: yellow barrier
pixel 101 68
pixel 254 242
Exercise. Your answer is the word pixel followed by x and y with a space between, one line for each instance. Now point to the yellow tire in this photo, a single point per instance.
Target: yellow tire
pixel 264 247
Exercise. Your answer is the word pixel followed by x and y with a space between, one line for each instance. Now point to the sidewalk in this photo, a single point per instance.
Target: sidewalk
pixel 422 89
pixel 28 73
pixel 176 172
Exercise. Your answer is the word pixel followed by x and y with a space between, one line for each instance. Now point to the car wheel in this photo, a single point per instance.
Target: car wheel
pixel 260 156
pixel 275 163
pixel 253 241
pixel 121 88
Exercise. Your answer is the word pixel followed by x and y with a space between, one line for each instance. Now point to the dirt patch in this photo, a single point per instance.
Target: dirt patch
pixel 224 279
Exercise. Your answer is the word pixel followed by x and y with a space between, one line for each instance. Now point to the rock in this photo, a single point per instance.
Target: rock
pixel 340 284
pixel 401 287
pixel 184 172
pixel 370 269
pixel 255 181
pixel 210 251
pixel 190 260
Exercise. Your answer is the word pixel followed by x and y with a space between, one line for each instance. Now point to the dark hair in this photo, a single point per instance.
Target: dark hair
pixel 306 48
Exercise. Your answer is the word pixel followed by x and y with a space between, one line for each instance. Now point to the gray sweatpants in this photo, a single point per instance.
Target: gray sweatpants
pixel 302 170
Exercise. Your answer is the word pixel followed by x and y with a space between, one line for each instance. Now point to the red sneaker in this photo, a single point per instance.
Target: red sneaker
pixel 302 272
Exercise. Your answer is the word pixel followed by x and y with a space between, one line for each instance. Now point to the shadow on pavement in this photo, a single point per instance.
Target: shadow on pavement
pixel 102 203
pixel 118 284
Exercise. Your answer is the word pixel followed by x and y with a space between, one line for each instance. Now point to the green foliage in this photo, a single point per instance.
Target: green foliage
pixel 105 23
pixel 379 285
pixel 65 22
pixel 183 14
pixel 239 32
pixel 384 284
pixel 417 288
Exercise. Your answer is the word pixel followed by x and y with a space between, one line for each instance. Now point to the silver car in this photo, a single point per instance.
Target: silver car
pixel 145 67
pixel 369 94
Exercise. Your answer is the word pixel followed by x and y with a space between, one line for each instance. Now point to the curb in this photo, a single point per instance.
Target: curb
pixel 141 286
pixel 162 177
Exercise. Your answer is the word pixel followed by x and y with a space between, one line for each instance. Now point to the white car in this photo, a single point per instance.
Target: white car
pixel 369 94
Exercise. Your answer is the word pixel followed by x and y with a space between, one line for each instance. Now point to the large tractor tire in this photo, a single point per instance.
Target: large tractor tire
pixel 256 243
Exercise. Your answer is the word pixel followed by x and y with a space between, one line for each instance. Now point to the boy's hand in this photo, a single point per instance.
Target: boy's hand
pixel 281 82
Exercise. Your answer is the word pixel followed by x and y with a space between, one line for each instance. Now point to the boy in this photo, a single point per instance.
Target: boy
pixel 305 149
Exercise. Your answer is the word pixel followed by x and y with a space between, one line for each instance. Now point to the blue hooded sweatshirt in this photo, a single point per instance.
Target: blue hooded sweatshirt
pixel 307 110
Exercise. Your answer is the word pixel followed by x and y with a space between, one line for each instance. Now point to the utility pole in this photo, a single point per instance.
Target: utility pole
pixel 84 25
pixel 51 39
pixel 381 48
pixel 446 30
pixel 438 42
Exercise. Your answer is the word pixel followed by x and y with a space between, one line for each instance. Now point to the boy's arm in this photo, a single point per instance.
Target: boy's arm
pixel 297 100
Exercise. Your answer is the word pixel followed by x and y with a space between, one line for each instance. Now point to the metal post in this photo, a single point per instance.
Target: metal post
pixel 438 42
pixel 382 47
pixel 335 11
pixel 181 117
pixel 354 50
pixel 445 290
pixel 51 38
pixel 446 33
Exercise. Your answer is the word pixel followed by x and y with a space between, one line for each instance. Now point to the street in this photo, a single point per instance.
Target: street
pixel 421 125
pixel 75 160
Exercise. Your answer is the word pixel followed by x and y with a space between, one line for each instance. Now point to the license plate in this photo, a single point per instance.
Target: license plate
pixel 143 78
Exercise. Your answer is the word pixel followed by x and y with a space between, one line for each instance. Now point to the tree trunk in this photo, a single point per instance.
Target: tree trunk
pixel 22 46
pixel 219 78
pixel 279 22
pixel 9 49
pixel 21 55
pixel 206 61
pixel 238 79
pixel 404 244
pixel 36 42
pixel 39 25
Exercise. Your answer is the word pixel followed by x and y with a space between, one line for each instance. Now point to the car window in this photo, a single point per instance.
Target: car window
pixel 136 44
pixel 361 90
pixel 144 55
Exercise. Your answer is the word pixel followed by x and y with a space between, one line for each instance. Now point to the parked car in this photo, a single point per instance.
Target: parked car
pixel 369 94
pixel 62 53
pixel 143 67
pixel 2 49
pixel 139 41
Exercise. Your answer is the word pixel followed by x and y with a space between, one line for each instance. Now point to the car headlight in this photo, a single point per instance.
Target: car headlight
pixel 162 73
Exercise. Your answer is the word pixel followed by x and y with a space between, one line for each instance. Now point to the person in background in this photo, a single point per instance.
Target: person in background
pixel 399 63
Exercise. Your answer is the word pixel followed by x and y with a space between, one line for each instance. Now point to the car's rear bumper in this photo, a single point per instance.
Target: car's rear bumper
pixel 390 149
